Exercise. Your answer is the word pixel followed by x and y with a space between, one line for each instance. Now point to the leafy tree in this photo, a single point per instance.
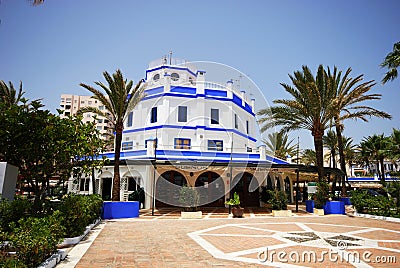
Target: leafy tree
pixel 310 108
pixel 278 145
pixel 120 98
pixel 392 62
pixel 43 145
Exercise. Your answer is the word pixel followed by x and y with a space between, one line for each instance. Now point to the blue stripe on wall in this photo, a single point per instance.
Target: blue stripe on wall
pixel 216 93
pixel 190 127
pixel 236 100
pixel 156 90
pixel 187 90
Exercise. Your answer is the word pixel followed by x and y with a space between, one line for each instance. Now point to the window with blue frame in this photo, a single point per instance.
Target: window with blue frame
pixel 153 117
pixel 182 113
pixel 130 119
pixel 128 145
pixel 214 116
pixel 215 145
pixel 180 143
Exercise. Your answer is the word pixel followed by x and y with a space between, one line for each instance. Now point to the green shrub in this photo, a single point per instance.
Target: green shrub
pixel 79 211
pixel 322 194
pixel 35 239
pixel 76 215
pixel 12 212
pixel 364 202
pixel 278 199
pixel 189 198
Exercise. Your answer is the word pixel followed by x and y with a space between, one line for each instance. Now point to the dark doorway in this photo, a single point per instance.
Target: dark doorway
pixel 287 189
pixel 211 189
pixel 243 185
pixel 106 185
pixel 167 189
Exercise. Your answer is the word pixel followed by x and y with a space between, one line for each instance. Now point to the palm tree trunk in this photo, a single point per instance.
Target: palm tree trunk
pixel 383 182
pixel 333 155
pixel 341 156
pixel 116 180
pixel 318 145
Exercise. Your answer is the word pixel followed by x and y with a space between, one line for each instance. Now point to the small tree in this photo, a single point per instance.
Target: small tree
pixel 189 198
pixel 278 199
pixel 322 194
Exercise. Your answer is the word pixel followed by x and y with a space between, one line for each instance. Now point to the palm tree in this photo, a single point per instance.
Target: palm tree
pixel 395 152
pixel 331 143
pixel 278 145
pixel 9 95
pixel 376 148
pixel 349 151
pixel 392 62
pixel 121 97
pixel 308 157
pixel 310 108
pixel 349 96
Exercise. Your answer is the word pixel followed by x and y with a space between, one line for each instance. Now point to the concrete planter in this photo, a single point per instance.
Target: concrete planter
pixel 118 210
pixel 191 215
pixel 70 241
pixel 319 211
pixel 282 213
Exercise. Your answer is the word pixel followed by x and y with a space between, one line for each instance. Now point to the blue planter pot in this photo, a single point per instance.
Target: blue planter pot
pixel 118 210
pixel 346 200
pixel 310 206
pixel 334 207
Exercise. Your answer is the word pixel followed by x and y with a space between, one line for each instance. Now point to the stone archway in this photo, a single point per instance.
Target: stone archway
pixel 167 188
pixel 241 184
pixel 211 189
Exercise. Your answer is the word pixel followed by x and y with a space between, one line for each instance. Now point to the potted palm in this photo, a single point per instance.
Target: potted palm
pixel 278 201
pixel 189 199
pixel 237 211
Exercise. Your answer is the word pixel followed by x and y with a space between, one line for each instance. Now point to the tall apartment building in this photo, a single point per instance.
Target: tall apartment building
pixel 70 104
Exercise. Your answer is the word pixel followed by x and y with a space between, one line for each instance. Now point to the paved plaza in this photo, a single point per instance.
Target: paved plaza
pixel 258 240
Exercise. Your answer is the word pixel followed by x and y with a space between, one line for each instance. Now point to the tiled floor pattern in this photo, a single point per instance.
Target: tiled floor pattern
pixel 293 243
pixel 157 241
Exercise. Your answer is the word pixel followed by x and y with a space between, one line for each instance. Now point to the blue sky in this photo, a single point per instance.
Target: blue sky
pixel 55 46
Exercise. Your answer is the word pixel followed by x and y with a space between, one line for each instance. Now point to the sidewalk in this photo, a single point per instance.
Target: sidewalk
pixel 164 240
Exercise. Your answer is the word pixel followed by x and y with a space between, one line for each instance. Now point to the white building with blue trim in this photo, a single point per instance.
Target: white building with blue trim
pixel 190 131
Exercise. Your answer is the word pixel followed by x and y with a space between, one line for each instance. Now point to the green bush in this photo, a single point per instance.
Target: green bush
pixel 35 239
pixel 79 211
pixel 278 199
pixel 364 202
pixel 322 194
pixel 189 198
pixel 12 212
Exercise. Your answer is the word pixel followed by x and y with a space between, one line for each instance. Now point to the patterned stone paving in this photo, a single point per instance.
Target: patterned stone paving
pixel 317 243
pixel 164 240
